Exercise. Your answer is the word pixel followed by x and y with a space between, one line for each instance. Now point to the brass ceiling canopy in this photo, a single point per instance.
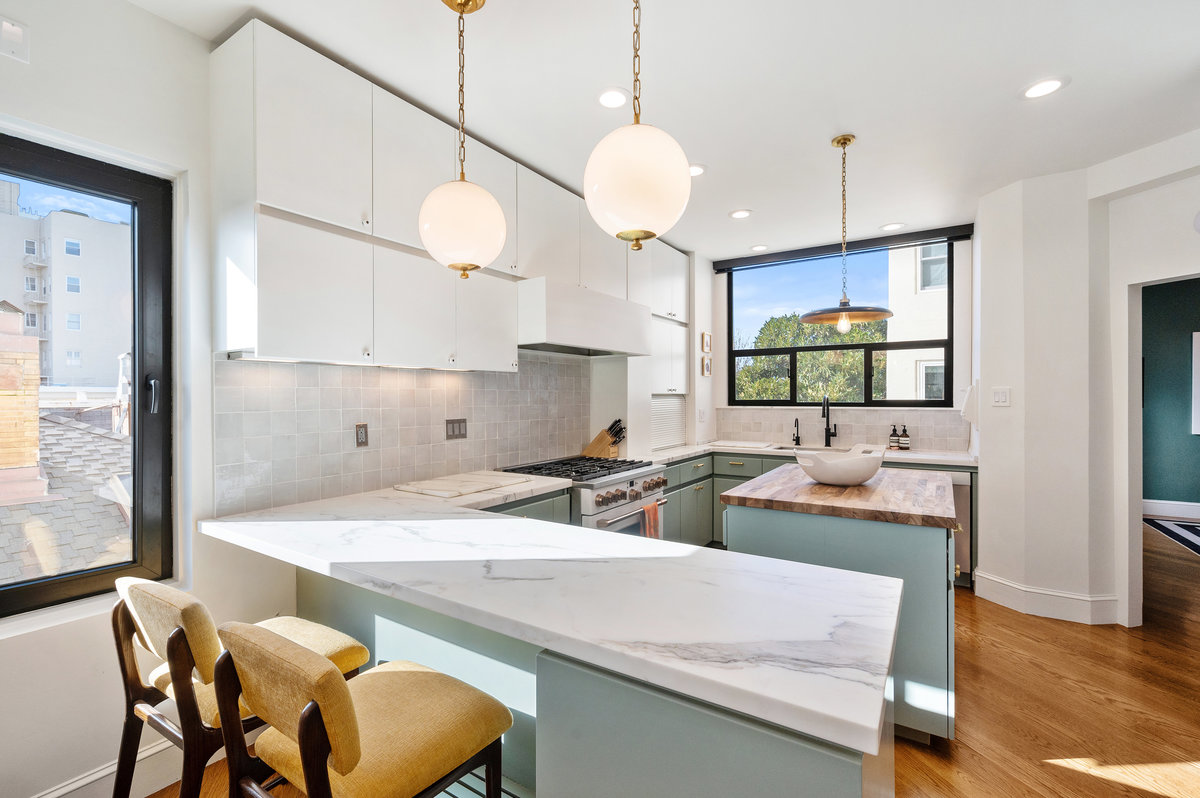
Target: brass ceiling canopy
pixel 466 6
pixel 844 314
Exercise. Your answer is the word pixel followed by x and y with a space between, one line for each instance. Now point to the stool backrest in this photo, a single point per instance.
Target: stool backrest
pixel 280 678
pixel 159 610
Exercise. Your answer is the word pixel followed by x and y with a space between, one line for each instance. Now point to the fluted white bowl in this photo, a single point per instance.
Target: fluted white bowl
pixel 842 468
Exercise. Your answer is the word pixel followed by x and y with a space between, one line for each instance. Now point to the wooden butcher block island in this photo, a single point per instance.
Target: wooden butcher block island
pixel 899 523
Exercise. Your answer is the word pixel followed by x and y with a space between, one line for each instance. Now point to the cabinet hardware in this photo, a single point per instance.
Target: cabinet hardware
pixel 367 353
pixel 736 462
pixel 957 570
pixel 698 465
pixel 699 487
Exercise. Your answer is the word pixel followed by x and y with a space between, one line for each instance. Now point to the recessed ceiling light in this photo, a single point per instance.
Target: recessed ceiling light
pixel 892 226
pixel 1044 87
pixel 759 248
pixel 613 98
pixel 696 169
pixel 740 213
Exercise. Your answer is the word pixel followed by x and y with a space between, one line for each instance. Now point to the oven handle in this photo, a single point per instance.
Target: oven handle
pixel 605 523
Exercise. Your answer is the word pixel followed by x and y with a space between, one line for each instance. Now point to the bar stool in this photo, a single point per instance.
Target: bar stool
pixel 177 628
pixel 399 730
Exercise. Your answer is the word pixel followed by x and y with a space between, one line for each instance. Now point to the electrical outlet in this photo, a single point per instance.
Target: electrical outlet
pixel 360 435
pixel 456 429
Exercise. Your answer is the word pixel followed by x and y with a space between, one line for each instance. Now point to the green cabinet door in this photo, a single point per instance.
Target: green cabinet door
pixel 669 517
pixel 696 522
pixel 720 485
pixel 557 509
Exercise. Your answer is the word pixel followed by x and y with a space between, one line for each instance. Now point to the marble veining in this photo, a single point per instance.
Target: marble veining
pixel 801 646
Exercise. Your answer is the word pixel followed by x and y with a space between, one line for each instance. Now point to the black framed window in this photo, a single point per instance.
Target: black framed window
pixel 85 461
pixel 905 361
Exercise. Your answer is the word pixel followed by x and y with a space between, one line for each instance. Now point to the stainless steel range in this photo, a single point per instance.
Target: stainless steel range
pixel 605 494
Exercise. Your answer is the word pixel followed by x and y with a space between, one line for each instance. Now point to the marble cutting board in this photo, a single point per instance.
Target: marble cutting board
pixel 463 484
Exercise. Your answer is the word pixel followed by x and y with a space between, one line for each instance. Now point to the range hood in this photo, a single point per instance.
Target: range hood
pixel 554 317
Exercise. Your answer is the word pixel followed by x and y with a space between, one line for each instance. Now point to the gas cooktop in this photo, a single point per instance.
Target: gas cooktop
pixel 579 469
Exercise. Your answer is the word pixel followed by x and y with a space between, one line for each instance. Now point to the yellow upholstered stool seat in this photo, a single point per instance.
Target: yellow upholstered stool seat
pixel 414 725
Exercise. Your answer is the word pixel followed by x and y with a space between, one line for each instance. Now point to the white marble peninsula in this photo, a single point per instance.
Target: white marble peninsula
pixel 632 666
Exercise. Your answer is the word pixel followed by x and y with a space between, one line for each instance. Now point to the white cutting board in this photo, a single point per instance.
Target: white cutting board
pixel 464 484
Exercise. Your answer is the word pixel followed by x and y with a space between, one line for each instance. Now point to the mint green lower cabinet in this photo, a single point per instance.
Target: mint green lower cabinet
pixel 696 520
pixel 600 734
pixel 557 509
pixel 720 485
pixel 670 517
pixel 923 669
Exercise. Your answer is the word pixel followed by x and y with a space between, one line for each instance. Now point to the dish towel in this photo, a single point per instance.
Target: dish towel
pixel 650 521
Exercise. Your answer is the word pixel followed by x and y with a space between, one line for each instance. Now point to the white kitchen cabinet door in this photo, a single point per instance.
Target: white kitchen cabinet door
pixel 668 357
pixel 602 264
pixel 547 229
pixel 640 276
pixel 498 174
pixel 487 323
pixel 669 270
pixel 414 154
pixel 314 293
pixel 312 133
pixel 414 311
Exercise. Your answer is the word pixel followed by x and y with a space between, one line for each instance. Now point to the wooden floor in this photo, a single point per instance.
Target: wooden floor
pixel 1055 709
pixel 1064 710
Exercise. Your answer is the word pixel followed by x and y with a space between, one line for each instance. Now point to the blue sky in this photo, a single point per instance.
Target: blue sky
pixel 39 199
pixel 759 294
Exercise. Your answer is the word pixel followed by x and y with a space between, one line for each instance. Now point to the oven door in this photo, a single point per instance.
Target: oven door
pixel 626 519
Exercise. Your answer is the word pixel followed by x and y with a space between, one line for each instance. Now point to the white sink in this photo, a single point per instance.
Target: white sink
pixel 853 467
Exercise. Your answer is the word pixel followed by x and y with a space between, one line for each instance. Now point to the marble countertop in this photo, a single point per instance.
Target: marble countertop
pixel 801 646
pixel 675 454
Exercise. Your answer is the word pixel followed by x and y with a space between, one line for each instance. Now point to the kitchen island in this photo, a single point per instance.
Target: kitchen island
pixel 899 523
pixel 633 666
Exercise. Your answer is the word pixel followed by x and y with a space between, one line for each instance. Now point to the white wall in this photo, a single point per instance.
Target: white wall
pixel 702 422
pixel 114 82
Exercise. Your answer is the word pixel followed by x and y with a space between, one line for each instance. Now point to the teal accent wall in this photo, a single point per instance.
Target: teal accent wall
pixel 1171 453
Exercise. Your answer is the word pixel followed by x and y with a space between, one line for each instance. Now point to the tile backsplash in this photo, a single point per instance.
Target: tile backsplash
pixel 928 429
pixel 284 432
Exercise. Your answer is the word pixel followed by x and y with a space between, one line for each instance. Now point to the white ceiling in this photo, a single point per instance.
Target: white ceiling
pixel 932 89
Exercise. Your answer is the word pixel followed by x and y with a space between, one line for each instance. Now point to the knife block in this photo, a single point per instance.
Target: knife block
pixel 601 446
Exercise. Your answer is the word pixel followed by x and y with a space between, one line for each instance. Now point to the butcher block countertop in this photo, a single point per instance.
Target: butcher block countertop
pixel 894 496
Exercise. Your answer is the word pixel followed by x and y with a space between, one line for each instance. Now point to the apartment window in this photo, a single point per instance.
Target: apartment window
pixel 72 285
pixel 777 360
pixel 111 514
pixel 933 266
pixel 31 284
pixel 30 246
pixel 31 320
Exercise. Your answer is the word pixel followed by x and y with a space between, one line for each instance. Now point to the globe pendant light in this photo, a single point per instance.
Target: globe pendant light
pixel 637 180
pixel 461 224
pixel 844 314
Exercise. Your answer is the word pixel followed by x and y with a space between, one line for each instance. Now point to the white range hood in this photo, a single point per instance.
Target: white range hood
pixel 567 318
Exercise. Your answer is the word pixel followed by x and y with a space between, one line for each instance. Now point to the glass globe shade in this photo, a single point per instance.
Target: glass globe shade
pixel 462 226
pixel 637 182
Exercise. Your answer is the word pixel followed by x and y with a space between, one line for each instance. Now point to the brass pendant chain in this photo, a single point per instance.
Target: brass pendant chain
pixel 637 62
pixel 843 220
pixel 462 115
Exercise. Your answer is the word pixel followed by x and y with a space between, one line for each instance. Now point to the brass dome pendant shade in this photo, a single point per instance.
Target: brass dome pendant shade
pixel 844 314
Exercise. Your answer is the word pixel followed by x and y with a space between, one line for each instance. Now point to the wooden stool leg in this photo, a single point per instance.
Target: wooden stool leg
pixel 131 736
pixel 491 771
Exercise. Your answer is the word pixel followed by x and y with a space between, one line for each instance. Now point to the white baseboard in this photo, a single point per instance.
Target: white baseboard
pixel 161 755
pixel 1077 607
pixel 1166 509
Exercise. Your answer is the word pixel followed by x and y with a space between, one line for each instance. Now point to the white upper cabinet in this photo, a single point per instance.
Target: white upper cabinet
pixel 314 294
pixel 669 271
pixel 312 132
pixel 487 323
pixel 668 357
pixel 602 262
pixel 498 174
pixel 548 234
pixel 414 311
pixel 413 154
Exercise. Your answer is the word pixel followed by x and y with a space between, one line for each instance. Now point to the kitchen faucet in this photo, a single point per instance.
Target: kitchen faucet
pixel 829 434
pixel 796 434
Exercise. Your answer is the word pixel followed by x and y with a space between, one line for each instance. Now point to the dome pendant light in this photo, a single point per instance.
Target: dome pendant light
pixel 637 180
pixel 844 314
pixel 461 224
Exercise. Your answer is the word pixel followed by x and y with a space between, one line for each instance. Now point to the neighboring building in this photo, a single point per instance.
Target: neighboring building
pixel 70 275
pixel 917 285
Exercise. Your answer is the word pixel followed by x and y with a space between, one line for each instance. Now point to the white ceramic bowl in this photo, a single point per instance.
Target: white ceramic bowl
pixel 842 468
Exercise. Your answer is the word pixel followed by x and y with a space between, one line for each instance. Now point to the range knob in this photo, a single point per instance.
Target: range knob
pixel 611 497
pixel 635 494
pixel 646 485
pixel 600 502
pixel 621 494
pixel 660 482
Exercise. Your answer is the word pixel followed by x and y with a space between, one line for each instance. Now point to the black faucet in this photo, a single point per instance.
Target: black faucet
pixel 796 435
pixel 829 433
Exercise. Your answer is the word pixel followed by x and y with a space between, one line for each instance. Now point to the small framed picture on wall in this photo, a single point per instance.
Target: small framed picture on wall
pixel 706 367
pixel 705 342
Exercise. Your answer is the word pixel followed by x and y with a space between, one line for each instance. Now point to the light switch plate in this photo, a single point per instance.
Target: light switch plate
pixel 14 40
pixel 360 435
pixel 1002 397
pixel 456 429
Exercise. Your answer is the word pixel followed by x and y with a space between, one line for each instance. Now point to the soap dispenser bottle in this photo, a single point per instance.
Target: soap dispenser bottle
pixel 894 439
pixel 904 439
